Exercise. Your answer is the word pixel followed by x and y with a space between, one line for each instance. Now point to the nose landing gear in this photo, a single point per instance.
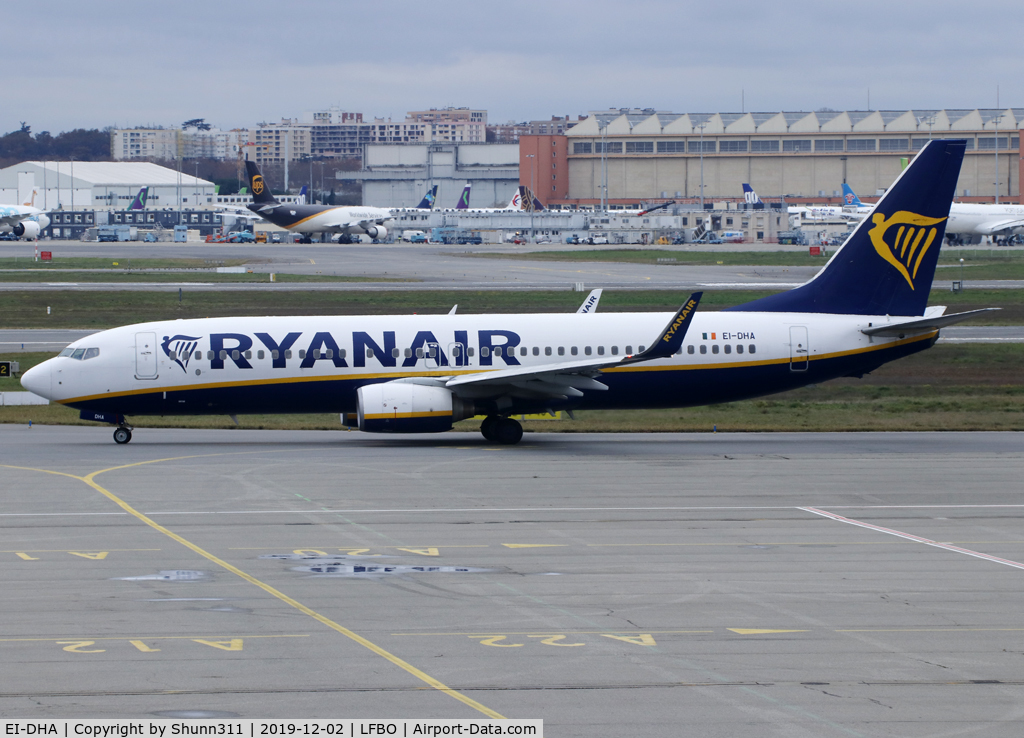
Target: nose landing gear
pixel 497 429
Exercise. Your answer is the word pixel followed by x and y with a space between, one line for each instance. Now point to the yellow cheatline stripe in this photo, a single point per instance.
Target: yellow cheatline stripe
pixel 434 414
pixel 451 372
pixel 90 479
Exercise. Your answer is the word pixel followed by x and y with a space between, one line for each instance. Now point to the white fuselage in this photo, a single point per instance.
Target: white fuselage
pixel 176 367
pixel 984 220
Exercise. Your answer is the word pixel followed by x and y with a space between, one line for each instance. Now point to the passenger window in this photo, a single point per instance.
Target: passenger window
pixel 369 353
pixel 485 351
pixel 419 353
pixel 456 351
pixel 547 351
pixel 92 353
pixel 641 349
pixel 172 355
pixel 235 354
pixel 629 350
pixel 728 348
pixel 209 355
pixel 561 350
pixel 341 353
pixel 497 350
pixel 79 353
pixel 316 353
pixel 615 350
pixel 248 354
pixel 408 353
pixel 689 349
pixel 471 351
pixel 703 349
pixel 739 348
pixel 302 353
pixel 275 354
pixel 396 352
pixel 329 353
pixel 600 350
pixel 198 356
pixel 586 350
pixel 752 348
pixel 288 354
pixel 574 351
pixel 522 351
pixel 223 354
pixel 536 350
pixel 432 352
pixel 714 349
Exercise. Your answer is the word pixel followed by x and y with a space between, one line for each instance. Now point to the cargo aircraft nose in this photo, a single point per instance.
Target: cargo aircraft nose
pixel 37 379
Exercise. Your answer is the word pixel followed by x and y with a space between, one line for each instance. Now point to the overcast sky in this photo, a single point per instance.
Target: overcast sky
pixel 75 64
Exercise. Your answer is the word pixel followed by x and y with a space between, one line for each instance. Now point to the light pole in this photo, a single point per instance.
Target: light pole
pixel 702 125
pixel 533 236
pixel 72 184
pixel 996 120
pixel 604 169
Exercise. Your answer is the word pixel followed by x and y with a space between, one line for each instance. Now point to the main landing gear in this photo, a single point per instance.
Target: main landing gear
pixel 497 429
pixel 122 435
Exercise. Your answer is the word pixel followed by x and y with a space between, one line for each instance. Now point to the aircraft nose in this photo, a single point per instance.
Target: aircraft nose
pixel 37 379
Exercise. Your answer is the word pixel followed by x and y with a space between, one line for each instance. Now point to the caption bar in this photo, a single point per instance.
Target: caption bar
pixel 168 728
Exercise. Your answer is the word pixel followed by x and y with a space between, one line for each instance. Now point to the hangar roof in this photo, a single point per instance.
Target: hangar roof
pixel 111 173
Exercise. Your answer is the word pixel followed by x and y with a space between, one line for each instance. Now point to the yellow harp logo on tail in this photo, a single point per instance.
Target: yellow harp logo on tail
pixel 257 185
pixel 904 247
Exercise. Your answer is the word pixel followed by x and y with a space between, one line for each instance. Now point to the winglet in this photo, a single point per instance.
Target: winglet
pixel 671 338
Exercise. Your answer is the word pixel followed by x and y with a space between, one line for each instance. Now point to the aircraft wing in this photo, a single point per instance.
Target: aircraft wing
pixel 1000 225
pixel 927 323
pixel 567 379
pixel 13 214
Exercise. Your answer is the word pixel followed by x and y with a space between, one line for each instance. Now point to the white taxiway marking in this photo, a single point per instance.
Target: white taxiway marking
pixel 912 537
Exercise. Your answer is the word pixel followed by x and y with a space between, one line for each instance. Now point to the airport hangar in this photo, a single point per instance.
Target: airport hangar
pixel 646 156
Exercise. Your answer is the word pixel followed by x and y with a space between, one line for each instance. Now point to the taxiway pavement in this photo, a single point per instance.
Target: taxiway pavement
pixel 643 584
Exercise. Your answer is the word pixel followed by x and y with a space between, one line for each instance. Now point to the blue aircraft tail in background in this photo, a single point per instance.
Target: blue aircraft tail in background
pixel 463 203
pixel 427 203
pixel 850 198
pixel 139 203
pixel 304 195
pixel 749 196
pixel 887 264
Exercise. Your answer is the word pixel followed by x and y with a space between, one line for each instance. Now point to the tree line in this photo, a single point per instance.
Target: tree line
pixel 81 143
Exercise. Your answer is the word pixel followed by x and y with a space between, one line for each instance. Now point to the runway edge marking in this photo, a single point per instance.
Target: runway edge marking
pixel 90 479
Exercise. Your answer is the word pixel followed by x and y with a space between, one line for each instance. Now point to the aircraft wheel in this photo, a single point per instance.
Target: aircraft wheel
pixel 508 432
pixel 122 436
pixel 487 427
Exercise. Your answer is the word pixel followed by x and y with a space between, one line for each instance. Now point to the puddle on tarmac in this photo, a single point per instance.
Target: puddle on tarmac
pixel 334 568
pixel 177 575
pixel 319 557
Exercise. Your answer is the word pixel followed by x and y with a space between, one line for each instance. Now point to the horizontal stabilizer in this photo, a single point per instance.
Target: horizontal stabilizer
pixel 924 324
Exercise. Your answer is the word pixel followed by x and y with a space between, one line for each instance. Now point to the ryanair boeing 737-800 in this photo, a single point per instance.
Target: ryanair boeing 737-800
pixel 422 373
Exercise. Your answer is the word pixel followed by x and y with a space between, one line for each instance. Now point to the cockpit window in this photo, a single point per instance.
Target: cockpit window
pixel 66 352
pixel 92 353
pixel 79 353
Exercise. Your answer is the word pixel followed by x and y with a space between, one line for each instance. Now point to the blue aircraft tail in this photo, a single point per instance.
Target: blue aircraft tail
pixel 887 264
pixel 139 203
pixel 427 203
pixel 463 203
pixel 304 195
pixel 749 196
pixel 850 198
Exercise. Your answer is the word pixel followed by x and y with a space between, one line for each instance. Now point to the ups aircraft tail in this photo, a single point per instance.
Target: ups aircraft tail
pixel 261 193
pixel 887 264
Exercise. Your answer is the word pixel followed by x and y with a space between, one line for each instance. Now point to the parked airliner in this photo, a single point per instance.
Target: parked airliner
pixel 24 221
pixel 422 373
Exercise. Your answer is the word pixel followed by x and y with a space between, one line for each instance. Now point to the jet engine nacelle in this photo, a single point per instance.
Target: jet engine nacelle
pixel 404 407
pixel 377 232
pixel 27 229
